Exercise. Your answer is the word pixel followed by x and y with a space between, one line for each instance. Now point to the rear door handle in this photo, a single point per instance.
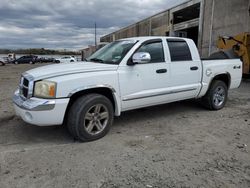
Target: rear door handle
pixel 193 68
pixel 159 71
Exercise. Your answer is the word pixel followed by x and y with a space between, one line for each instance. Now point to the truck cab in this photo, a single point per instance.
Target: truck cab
pixel 172 62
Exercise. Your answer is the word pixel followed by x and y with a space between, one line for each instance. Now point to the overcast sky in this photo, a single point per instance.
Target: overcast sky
pixel 69 24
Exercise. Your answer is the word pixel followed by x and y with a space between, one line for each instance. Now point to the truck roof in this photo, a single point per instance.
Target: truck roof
pixel 153 37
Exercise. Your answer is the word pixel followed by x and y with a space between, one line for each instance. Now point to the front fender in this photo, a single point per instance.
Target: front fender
pixel 105 90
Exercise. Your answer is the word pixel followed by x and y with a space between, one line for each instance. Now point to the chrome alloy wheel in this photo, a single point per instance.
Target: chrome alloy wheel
pixel 219 96
pixel 96 119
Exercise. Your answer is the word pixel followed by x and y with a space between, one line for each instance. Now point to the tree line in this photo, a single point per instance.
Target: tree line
pixel 38 51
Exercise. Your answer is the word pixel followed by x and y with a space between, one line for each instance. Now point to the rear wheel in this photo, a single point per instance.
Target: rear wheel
pixel 216 96
pixel 90 117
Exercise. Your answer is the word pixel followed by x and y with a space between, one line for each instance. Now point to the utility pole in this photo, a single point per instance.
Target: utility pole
pixel 95 37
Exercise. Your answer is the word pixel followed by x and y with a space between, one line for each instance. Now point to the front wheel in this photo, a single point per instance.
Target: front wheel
pixel 90 117
pixel 216 96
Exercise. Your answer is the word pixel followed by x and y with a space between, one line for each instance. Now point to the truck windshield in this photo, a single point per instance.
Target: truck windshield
pixel 112 53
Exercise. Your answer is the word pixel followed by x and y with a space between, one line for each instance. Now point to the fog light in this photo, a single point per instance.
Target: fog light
pixel 28 116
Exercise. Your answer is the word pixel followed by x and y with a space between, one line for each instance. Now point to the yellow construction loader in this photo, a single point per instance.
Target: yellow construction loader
pixel 235 47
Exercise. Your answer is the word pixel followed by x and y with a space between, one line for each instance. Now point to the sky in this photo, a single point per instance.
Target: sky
pixel 69 24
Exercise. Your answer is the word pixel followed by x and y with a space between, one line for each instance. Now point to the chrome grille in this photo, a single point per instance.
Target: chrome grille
pixel 26 86
pixel 26 82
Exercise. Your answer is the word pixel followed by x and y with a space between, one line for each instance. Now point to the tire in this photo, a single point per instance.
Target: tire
pixel 16 62
pixel 216 96
pixel 84 120
pixel 31 62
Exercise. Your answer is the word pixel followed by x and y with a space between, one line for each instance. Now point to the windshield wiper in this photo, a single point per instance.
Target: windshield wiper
pixel 97 60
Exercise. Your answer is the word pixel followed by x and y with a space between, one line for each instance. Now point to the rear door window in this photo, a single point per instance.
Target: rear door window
pixel 179 50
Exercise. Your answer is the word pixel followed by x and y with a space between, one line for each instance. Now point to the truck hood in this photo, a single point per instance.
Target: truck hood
pixel 69 68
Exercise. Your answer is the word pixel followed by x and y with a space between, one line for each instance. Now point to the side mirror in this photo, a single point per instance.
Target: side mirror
pixel 140 57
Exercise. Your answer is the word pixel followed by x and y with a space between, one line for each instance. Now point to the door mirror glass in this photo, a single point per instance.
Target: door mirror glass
pixel 141 57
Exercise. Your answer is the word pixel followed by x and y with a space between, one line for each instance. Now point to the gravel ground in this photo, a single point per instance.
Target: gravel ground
pixel 174 145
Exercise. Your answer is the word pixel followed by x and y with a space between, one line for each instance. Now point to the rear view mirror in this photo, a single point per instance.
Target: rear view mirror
pixel 141 57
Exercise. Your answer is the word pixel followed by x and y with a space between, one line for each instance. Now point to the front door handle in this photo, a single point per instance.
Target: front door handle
pixel 159 71
pixel 193 68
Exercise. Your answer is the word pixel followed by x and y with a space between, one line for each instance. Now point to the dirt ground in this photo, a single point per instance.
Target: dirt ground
pixel 175 145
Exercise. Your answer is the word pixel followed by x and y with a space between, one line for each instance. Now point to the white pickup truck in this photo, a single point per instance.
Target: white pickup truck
pixel 124 75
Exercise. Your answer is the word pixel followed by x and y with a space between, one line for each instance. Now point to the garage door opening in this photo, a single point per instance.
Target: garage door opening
pixel 186 14
pixel 191 33
pixel 186 22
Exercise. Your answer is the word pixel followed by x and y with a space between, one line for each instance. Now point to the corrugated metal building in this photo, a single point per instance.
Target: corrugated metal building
pixel 201 20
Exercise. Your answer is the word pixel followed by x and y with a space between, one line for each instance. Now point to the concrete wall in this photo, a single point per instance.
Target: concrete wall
pixel 156 25
pixel 218 18
pixel 159 24
pixel 223 17
pixel 87 51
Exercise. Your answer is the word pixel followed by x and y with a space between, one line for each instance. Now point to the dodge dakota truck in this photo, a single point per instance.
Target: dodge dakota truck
pixel 124 75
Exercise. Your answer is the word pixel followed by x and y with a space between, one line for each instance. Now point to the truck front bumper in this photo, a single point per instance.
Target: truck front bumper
pixel 41 112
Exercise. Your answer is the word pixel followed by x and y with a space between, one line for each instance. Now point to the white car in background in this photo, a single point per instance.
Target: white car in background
pixel 2 61
pixel 66 59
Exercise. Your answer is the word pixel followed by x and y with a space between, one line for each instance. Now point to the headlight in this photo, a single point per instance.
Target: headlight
pixel 45 89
